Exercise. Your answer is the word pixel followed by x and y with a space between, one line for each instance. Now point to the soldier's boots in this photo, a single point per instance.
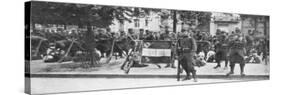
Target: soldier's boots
pixel 181 70
pixel 173 66
pixel 186 78
pixel 242 70
pixel 230 73
pixel 231 70
pixel 225 68
pixel 195 80
pixel 242 74
pixel 218 66
pixel 170 65
pixel 194 76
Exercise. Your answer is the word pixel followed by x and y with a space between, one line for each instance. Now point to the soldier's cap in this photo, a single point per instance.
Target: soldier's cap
pixel 52 44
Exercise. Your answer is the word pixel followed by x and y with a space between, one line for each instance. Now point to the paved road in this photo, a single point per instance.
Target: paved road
pixel 37 67
pixel 55 85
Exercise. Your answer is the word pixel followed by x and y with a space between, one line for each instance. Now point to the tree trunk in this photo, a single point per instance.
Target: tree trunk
pixel 89 40
pixel 38 47
pixel 256 23
pixel 67 52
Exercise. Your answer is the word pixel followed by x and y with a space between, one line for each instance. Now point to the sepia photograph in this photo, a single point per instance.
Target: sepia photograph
pixel 72 47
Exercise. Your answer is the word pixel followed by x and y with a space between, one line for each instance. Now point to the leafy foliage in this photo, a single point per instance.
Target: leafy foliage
pixel 76 14
pixel 201 17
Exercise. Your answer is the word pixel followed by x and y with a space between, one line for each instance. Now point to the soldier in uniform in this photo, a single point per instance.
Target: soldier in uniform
pixel 149 35
pixel 121 36
pixel 167 36
pixel 221 49
pixel 109 33
pixel 250 41
pixel 102 35
pixel 187 49
pixel 132 34
pixel 236 53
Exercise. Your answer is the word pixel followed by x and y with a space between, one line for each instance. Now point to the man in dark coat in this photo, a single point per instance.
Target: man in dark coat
pixel 149 35
pixel 236 53
pixel 187 49
pixel 168 36
pixel 221 49
pixel 250 41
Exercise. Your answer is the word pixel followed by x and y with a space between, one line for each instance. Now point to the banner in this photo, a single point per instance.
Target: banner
pixel 156 51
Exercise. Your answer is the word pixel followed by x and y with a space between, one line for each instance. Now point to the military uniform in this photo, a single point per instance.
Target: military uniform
pixel 221 49
pixel 102 36
pixel 236 55
pixel 168 36
pixel 187 51
pixel 121 37
pixel 250 43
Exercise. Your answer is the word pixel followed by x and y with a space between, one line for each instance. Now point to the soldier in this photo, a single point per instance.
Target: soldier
pixel 187 49
pixel 141 34
pixel 132 35
pixel 102 35
pixel 156 36
pixel 236 53
pixel 167 36
pixel 250 41
pixel 122 35
pixel 149 35
pixel 109 33
pixel 221 49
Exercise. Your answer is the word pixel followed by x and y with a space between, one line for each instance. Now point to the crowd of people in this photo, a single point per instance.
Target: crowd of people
pixel 208 44
pixel 233 47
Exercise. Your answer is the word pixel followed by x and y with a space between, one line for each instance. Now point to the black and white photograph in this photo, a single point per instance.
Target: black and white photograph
pixel 73 47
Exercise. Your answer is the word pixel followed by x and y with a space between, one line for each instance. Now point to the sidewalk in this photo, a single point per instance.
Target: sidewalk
pixel 112 70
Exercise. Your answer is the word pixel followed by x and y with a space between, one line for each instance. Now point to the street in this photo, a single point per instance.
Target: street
pixel 55 85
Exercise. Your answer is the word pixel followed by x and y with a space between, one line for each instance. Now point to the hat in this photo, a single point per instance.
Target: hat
pixel 52 44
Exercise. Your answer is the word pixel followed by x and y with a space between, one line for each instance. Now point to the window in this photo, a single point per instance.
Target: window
pixel 137 23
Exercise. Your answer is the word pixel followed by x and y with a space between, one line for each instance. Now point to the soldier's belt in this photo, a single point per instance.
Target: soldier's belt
pixel 186 48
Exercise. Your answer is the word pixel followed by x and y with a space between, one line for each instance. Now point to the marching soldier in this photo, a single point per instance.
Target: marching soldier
pixel 236 53
pixel 221 49
pixel 187 49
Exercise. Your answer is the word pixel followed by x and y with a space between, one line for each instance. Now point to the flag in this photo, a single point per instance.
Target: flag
pixel 156 51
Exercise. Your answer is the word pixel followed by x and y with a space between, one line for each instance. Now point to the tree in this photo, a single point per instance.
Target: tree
pixel 195 17
pixel 82 15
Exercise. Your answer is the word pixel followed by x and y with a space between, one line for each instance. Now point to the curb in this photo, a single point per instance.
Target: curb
pixel 141 76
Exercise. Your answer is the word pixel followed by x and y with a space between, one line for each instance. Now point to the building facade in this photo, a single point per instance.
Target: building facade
pixel 225 22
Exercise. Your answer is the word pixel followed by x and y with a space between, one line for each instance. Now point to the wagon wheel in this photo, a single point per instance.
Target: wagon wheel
pixel 129 61
pixel 127 64
pixel 124 63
